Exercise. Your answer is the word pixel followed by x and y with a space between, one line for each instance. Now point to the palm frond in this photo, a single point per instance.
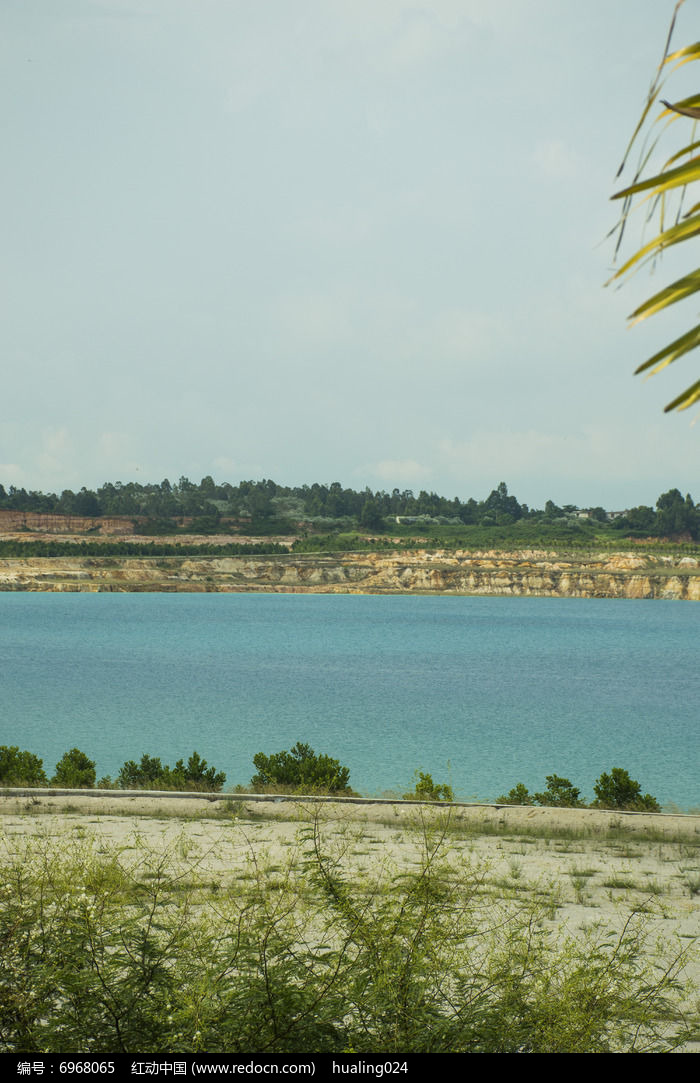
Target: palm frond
pixel 669 185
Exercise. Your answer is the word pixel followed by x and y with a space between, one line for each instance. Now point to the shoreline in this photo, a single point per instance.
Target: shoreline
pixel 476 816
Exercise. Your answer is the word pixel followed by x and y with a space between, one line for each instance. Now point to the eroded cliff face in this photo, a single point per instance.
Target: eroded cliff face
pixel 44 523
pixel 526 572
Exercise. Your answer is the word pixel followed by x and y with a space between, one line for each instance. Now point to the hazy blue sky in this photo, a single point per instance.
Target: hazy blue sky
pixel 318 240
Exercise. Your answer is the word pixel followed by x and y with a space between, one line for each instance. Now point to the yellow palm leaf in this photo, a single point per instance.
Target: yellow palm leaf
pixel 670 185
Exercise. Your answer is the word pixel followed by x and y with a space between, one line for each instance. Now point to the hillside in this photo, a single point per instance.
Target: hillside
pixel 538 573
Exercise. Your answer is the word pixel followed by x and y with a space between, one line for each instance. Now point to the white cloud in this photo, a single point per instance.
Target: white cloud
pixel 399 470
pixel 461 335
pixel 56 441
pixel 501 454
pixel 13 474
pixel 227 467
pixel 417 41
pixel 119 455
pixel 115 445
pixel 554 160
pixel 56 454
pixel 591 464
pixel 309 319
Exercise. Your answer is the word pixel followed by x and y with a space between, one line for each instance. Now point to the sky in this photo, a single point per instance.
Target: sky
pixel 361 241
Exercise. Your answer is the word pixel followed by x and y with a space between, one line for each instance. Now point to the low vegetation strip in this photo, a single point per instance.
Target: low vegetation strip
pixel 488 819
pixel 297 771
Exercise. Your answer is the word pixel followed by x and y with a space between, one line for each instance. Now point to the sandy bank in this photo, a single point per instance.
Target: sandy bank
pixel 488 817
pixel 587 867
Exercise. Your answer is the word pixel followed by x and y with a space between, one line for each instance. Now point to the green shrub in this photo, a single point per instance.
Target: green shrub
pixel 20 768
pixel 427 790
pixel 144 775
pixel 301 770
pixel 618 791
pixel 134 954
pixel 519 795
pixel 614 791
pixel 197 776
pixel 560 793
pixel 151 774
pixel 75 771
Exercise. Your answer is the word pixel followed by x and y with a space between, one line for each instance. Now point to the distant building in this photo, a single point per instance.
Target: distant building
pixel 587 513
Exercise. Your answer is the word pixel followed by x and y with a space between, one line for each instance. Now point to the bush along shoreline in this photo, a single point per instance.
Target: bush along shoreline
pixel 300 771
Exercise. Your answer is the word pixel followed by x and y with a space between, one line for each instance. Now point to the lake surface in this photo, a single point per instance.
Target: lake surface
pixel 481 692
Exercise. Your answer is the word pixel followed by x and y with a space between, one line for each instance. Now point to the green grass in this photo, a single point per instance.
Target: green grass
pixel 622 883
pixel 653 887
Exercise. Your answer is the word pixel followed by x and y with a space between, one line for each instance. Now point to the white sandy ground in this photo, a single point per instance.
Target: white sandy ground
pixel 561 856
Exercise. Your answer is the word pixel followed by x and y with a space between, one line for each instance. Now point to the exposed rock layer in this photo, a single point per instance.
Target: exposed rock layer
pixel 49 523
pixel 525 572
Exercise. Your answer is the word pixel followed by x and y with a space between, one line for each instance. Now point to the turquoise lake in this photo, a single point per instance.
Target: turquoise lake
pixel 481 692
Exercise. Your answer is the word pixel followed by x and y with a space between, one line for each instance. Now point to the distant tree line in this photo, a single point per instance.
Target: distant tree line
pixel 268 507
